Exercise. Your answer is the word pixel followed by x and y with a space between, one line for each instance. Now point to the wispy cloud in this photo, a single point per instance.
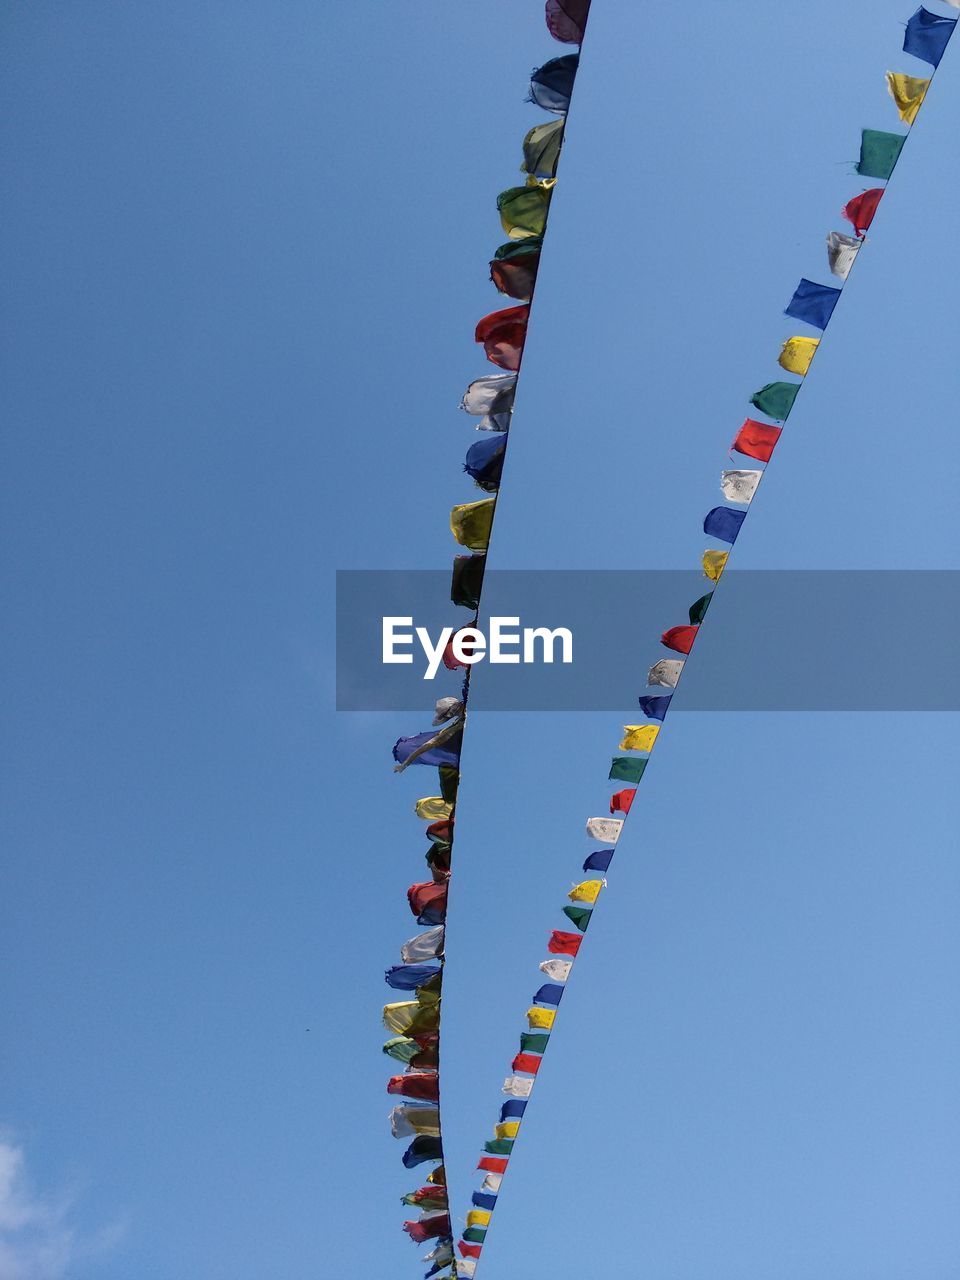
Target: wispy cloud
pixel 39 1239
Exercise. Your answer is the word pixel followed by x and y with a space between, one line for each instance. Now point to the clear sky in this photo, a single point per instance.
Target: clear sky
pixel 243 253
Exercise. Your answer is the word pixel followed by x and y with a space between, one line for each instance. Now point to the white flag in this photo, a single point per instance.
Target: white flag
pixel 424 946
pixel 739 486
pixel 466 1266
pixel 492 1182
pixel 411 1119
pixel 666 672
pixel 842 250
pixel 606 830
pixel 517 1087
pixel 559 970
pixel 491 400
pixel 443 1254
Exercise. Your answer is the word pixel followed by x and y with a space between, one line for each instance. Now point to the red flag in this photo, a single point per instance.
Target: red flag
pixel 423 1085
pixel 680 639
pixel 862 208
pixel 428 894
pixel 757 440
pixel 566 19
pixel 436 1225
pixel 492 1164
pixel 621 802
pixel 529 1062
pixel 429 1193
pixel 442 830
pixel 503 334
pixel 469 1250
pixel 516 276
pixel 564 944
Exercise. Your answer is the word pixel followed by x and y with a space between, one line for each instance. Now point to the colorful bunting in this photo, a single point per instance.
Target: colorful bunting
pixel 813 303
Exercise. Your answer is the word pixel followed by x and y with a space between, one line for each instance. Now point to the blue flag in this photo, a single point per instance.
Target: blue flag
pixel 813 303
pixel 512 1109
pixel 552 84
pixel 599 861
pixel 484 461
pixel 549 993
pixel 927 35
pixel 408 977
pixel 481 1200
pixel 655 708
pixel 447 753
pixel 421 1149
pixel 723 523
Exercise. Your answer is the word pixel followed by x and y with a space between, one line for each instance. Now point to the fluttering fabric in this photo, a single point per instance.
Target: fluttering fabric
pixel 739 486
pixel 420 1150
pixel 491 400
pixel 680 639
pixel 724 523
pixel 654 708
pixel 879 153
pixel 579 917
pixel 427 1198
pixel 433 808
pixel 552 84
pixel 523 212
pixel 539 1019
pixel 842 253
pixel 627 768
pixel 813 303
pixel 589 890
pixel 478 1198
pixel 665 673
pixel 424 946
pixel 467 580
pixel 446 753
pixel 599 861
pixel 412 1118
pixel 756 440
pixel 484 464
pixel 797 354
pixel 493 1164
pixel 908 92
pixel 530 1063
pixel 620 802
pixel 508 1110
pixel 698 610
pixel 534 1041
pixel 541 149
pixel 927 35
pixel 467 1267
pixel 423 1085
pixel 514 268
pixel 862 209
pixel 470 523
pixel 567 19
pixel 503 334
pixel 559 970
pixel 714 563
pixel 639 737
pixel 517 1087
pixel 605 830
pixel 408 977
pixel 478 1217
pixel 776 399
pixel 428 901
pixel 563 944
pixel 550 992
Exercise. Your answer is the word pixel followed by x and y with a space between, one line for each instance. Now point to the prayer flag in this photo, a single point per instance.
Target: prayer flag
pixel 446 753
pixel 498 1147
pixel 559 970
pixel 478 1198
pixel 407 977
pixel 506 1129
pixel 503 334
pixel 797 354
pixel 714 563
pixel 665 673
pixel 427 898
pixel 514 268
pixel 605 830
pixel 534 1041
pixel 552 84
pixel 776 399
pixel 492 1181
pixel 620 802
pixel 421 1150
pixel 723 523
pixel 469 1250
pixel 492 1164
pixel 512 1109
pixel 879 153
pixel 484 464
pixel 599 861
pixel 467 580
pixel 842 252
pixel 579 917
pixel 541 149
pixel 433 808
pixel 424 1085
pixel 739 486
pixel 552 992
pixel 424 946
pixel 491 399
pixel 698 610
pixel 655 708
pixel 475 1235
pixel 639 737
pixel 564 944
pixel 862 209
pixel 566 19
pixel 527 1062
pixel 813 303
pixel 541 1019
pixel 523 212
pixel 626 768
pixel 908 93
pixel 517 1087
pixel 470 523
pixel 927 35
pixel 680 639
pixel 756 440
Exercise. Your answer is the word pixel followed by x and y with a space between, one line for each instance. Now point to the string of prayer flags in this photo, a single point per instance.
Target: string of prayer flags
pixel 776 399
pixel 862 209
pixel 514 267
pixel 756 440
pixel 639 737
pixel 523 212
pixel 739 486
pixel 665 673
pixel 723 523
pixel 503 334
pixel 797 354
pixel 567 20
pixel 927 35
pixel 680 639
pixel 490 399
pixel 879 153
pixel 627 768
pixel 813 303
pixel 552 84
pixel 714 563
pixel 654 708
pixel 908 92
pixel 842 253
pixel 599 861
pixel 471 522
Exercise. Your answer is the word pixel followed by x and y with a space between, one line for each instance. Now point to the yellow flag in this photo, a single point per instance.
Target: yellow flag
pixel 540 1019
pixel 587 891
pixel 433 808
pixel 399 1017
pixel 479 1217
pixel 506 1129
pixel 470 523
pixel 438 1177
pixel 639 737
pixel 714 563
pixel 908 93
pixel 797 354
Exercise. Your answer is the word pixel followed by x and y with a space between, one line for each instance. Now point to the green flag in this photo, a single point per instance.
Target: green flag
pixel 699 608
pixel 498 1146
pixel 626 769
pixel 776 399
pixel 523 211
pixel 580 916
pixel 402 1048
pixel 475 1235
pixel 879 153
pixel 534 1041
pixel 541 149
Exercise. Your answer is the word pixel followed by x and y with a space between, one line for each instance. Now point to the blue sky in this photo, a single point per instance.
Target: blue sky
pixel 244 253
